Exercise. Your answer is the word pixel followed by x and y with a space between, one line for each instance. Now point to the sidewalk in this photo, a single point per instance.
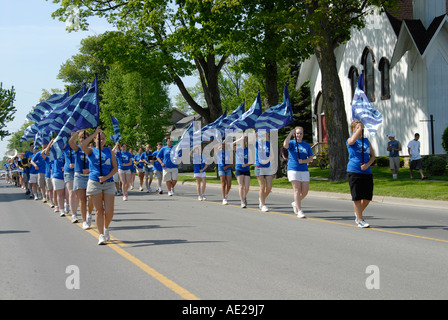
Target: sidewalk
pixel 435 204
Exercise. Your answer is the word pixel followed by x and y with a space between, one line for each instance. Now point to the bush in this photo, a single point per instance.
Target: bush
pixel 445 139
pixel 434 165
pixel 384 161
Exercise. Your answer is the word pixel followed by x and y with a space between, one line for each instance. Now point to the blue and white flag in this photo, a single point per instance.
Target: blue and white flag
pixel 117 134
pixel 30 133
pixel 44 108
pixel 363 110
pixel 248 119
pixel 42 138
pixel 85 115
pixel 278 116
pixel 225 123
pixel 58 117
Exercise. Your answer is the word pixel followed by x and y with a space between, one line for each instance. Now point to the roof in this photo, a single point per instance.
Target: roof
pixel 414 34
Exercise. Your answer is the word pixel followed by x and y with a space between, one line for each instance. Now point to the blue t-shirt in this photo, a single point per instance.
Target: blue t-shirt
pixel 157 165
pixel 199 161
pixel 355 156
pixel 57 171
pixel 262 154
pixel 81 161
pixel 28 155
pixel 69 156
pixel 137 159
pixel 123 158
pixel 94 164
pixel 165 156
pixel 40 162
pixel 48 166
pixel 393 145
pixel 242 157
pixel 224 159
pixel 295 149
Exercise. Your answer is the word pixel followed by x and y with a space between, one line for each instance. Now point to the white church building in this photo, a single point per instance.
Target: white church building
pixel 404 58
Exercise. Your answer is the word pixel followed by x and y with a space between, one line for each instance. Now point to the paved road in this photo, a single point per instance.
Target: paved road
pixel 180 248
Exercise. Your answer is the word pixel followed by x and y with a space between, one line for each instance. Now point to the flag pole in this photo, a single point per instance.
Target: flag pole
pixel 100 124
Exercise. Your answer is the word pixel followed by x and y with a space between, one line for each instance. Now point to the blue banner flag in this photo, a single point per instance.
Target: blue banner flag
pixel 85 115
pixel 363 110
pixel 248 119
pixel 228 120
pixel 44 107
pixel 30 133
pixel 58 117
pixel 278 116
pixel 117 134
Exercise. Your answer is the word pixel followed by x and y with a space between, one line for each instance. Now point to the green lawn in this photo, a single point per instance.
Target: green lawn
pixel 435 188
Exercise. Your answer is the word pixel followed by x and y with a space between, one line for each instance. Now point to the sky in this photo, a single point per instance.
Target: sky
pixel 33 46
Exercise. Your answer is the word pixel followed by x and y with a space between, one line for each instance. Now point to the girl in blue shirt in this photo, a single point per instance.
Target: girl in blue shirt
pixel 263 170
pixel 224 161
pixel 81 176
pixel 101 187
pixel 200 164
pixel 359 175
pixel 124 161
pixel 300 154
pixel 242 168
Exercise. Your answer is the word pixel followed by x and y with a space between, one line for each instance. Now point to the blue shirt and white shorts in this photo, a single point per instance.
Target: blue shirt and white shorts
pixel 298 171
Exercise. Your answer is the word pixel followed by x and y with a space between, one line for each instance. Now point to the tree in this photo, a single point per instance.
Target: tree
pixel 7 108
pixel 185 35
pixel 329 24
pixel 140 104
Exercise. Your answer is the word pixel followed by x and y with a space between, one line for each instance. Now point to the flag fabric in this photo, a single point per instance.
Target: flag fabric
pixel 363 110
pixel 30 133
pixel 44 108
pixel 42 138
pixel 58 117
pixel 248 119
pixel 117 134
pixel 209 130
pixel 85 115
pixel 228 120
pixel 278 116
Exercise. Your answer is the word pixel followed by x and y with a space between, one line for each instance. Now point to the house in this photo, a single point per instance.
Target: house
pixel 404 57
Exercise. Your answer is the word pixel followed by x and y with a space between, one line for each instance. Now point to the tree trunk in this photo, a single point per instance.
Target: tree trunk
pixel 334 109
pixel 271 82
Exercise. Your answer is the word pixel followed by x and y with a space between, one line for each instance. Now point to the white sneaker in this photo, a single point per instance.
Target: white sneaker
pixel 62 214
pixel 200 198
pixel 243 205
pixel 141 189
pixel 300 214
pixel 36 197
pixel 264 208
pixel 44 200
pixel 101 239
pixel 106 234
pixel 363 224
pixel 170 193
pixel 294 207
pixel 74 218
pixel 224 201
pixel 85 225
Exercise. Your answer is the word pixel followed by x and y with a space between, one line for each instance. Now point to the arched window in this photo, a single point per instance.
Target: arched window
pixel 353 77
pixel 384 68
pixel 368 62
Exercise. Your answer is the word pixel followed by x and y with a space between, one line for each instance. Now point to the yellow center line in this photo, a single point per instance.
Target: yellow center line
pixel 115 245
pixel 333 222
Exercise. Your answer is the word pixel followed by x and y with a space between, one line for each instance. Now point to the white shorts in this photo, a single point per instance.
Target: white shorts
pixel 33 178
pixel 58 184
pixel 303 176
pixel 116 177
pixel 170 174
pixel 200 175
pixel 158 174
